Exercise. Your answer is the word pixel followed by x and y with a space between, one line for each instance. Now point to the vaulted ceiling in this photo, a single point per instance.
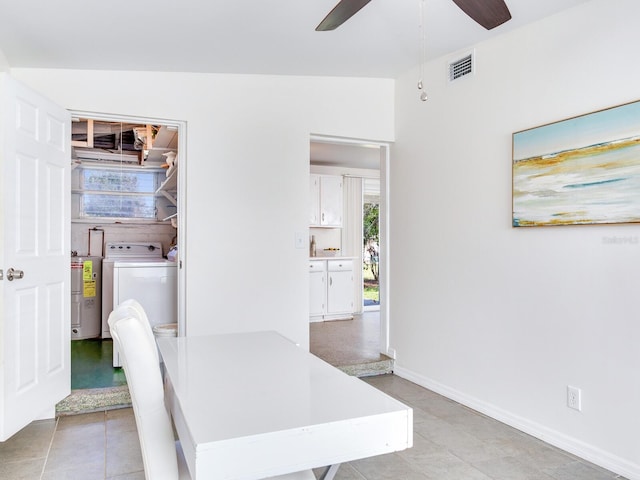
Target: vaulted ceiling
pixel 251 36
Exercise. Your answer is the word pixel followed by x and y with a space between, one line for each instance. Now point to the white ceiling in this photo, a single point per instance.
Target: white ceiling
pixel 250 36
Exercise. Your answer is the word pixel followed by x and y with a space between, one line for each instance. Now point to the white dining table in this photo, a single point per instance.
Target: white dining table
pixel 248 406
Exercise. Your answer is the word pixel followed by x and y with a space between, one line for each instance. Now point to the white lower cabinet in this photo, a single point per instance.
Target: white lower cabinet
pixel 317 288
pixel 331 289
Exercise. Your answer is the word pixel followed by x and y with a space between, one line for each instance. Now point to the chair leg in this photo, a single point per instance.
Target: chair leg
pixel 330 472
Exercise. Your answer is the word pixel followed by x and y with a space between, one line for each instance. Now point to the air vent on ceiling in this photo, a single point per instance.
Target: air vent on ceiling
pixel 461 68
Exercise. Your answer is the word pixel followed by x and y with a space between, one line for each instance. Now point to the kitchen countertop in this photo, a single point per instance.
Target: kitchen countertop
pixel 327 257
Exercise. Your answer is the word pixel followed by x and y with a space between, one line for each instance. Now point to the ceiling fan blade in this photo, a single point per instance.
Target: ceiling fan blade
pixel 342 12
pixel 488 13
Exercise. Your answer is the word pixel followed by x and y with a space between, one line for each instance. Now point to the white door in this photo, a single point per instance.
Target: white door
pixel 35 165
pixel 317 293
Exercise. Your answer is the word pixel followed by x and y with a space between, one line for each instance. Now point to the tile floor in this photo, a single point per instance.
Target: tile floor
pixel 84 447
pixel 351 345
pixel 451 442
pixel 347 342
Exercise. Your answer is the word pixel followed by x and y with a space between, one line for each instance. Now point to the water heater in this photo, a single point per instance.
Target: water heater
pixel 86 294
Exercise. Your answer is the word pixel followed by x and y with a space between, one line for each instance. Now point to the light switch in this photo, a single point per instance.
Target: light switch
pixel 300 239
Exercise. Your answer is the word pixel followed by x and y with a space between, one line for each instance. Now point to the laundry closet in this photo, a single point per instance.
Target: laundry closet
pixel 124 222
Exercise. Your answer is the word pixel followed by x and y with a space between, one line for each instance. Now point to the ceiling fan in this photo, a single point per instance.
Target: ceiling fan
pixel 488 13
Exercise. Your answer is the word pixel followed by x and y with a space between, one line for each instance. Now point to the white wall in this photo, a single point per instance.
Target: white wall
pixel 82 234
pixel 247 176
pixel 503 318
pixel 4 65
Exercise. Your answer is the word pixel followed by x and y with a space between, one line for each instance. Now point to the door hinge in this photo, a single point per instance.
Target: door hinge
pixel 1 274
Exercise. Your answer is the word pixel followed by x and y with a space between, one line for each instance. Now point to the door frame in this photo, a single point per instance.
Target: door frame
pixel 384 257
pixel 181 208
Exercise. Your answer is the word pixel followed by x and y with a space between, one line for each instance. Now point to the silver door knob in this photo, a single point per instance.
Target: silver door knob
pixel 11 274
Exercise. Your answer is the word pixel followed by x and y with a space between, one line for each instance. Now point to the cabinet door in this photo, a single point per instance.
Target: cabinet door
pixel 314 200
pixel 317 293
pixel 340 292
pixel 331 201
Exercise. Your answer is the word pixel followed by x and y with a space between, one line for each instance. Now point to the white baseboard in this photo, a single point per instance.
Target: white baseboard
pixel 569 444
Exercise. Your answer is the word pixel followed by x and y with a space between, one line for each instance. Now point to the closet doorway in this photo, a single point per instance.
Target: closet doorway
pixel 126 187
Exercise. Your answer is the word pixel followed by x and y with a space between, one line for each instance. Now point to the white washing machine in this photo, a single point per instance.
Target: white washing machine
pixel 139 271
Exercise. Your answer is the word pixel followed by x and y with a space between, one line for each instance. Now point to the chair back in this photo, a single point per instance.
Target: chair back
pixel 133 307
pixel 142 370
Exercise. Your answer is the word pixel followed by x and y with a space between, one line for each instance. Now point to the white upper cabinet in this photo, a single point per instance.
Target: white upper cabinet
pixel 314 207
pixel 326 201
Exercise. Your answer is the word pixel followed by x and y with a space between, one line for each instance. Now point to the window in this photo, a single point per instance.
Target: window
pixel 120 193
pixel 120 172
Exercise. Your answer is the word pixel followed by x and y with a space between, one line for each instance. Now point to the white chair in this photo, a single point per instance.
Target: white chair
pixel 133 307
pixel 161 454
pixel 155 432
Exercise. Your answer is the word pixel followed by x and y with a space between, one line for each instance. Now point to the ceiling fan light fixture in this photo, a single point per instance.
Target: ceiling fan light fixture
pixel 343 11
pixel 423 49
pixel 488 13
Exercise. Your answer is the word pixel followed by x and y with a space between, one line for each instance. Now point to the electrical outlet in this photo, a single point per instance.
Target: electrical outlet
pixel 574 399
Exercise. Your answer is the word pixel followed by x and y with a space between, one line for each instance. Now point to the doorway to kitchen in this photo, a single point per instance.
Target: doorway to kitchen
pixel 358 345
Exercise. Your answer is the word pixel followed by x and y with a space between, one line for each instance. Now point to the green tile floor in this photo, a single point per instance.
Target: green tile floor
pixel 91 365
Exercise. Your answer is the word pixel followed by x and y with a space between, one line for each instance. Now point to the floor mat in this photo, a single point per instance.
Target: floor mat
pixel 94 400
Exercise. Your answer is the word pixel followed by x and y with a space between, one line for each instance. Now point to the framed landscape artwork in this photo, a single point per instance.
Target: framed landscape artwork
pixel 583 170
